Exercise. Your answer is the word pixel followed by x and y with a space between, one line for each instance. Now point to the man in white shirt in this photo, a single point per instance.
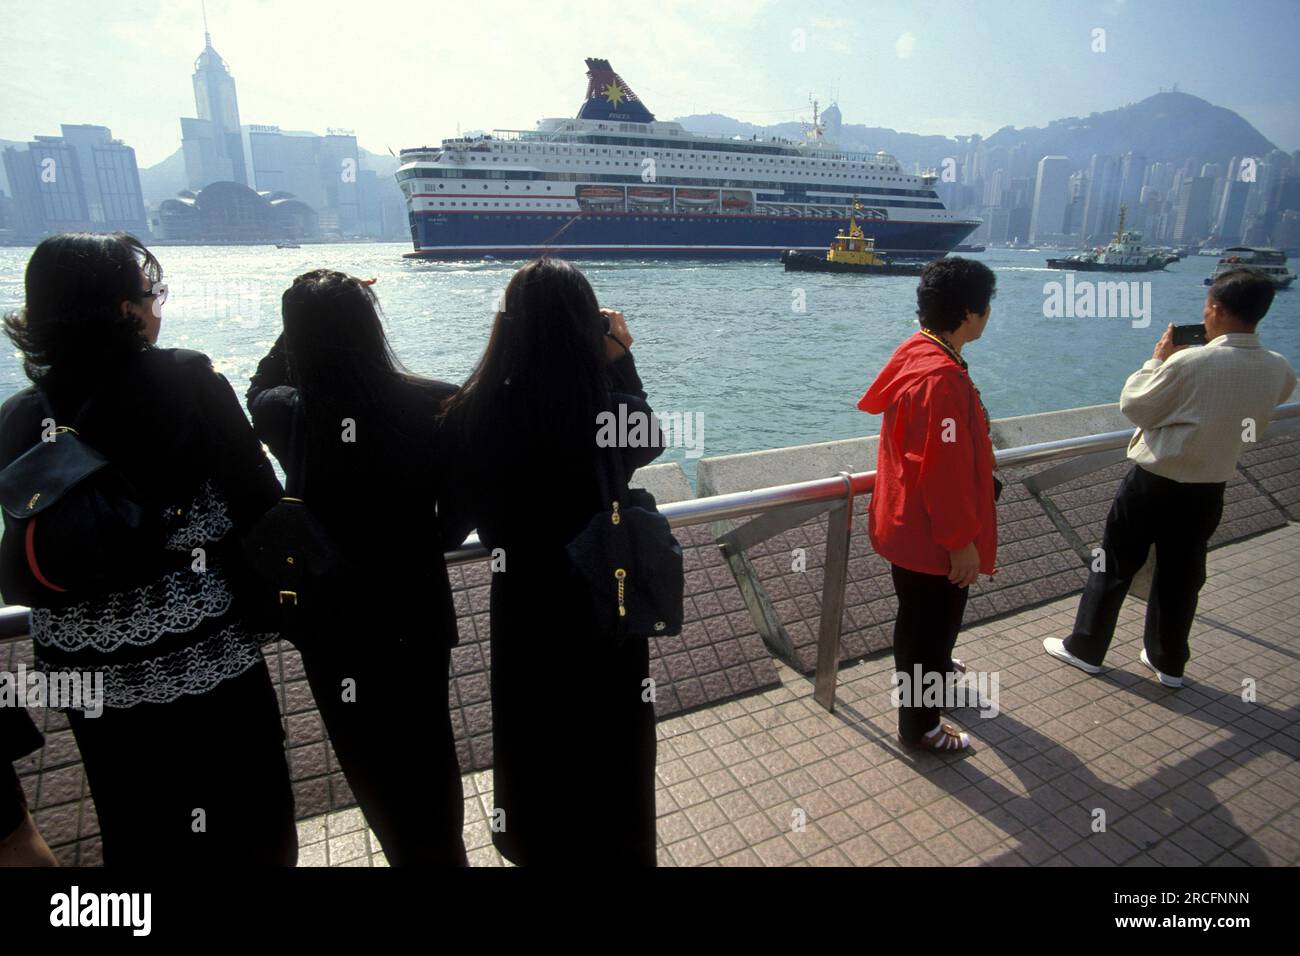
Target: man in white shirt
pixel 1197 409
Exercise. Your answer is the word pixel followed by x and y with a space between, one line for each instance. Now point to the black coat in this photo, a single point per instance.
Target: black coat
pixel 189 706
pixel 173 427
pixel 563 696
pixel 390 636
pixel 166 419
pixel 377 496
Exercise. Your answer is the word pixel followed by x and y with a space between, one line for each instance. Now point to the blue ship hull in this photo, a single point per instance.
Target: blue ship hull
pixel 594 235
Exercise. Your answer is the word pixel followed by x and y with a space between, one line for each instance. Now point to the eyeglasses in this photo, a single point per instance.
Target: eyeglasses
pixel 157 291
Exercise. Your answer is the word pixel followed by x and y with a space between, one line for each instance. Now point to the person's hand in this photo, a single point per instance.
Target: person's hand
pixel 965 566
pixel 619 340
pixel 1165 347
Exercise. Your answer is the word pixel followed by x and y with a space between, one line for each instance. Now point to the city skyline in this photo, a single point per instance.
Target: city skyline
pixel 754 55
pixel 311 184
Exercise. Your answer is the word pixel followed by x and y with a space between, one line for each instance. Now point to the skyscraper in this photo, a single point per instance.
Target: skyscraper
pixel 1101 206
pixel 1192 222
pixel 211 141
pixel 1232 211
pixel 1051 196
pixel 1132 172
pixel 321 171
pixel 81 181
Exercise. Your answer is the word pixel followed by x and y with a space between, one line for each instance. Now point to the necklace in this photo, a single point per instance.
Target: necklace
pixel 942 342
pixel 938 339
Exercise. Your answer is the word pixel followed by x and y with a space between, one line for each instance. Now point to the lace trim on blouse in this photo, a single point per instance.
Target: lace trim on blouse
pixel 174 604
pixel 189 671
pixel 207 522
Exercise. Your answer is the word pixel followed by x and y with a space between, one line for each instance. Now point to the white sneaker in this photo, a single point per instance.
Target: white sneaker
pixel 1056 648
pixel 1165 679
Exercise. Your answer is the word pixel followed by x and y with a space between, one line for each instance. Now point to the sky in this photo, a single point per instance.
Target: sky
pixel 403 73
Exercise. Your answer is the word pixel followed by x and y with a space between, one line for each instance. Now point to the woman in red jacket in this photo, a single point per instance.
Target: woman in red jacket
pixel 932 513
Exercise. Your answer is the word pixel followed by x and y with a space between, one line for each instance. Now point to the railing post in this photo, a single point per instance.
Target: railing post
pixel 839 527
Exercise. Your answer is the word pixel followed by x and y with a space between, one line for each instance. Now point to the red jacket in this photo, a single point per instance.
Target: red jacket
pixel 934 467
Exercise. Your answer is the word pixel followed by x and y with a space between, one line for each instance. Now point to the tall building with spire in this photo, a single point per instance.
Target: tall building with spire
pixel 211 141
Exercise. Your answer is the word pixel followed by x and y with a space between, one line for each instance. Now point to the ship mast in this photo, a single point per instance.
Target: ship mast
pixel 815 133
pixel 1119 233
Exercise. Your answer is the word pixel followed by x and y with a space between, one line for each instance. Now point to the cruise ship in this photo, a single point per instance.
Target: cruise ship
pixel 615 182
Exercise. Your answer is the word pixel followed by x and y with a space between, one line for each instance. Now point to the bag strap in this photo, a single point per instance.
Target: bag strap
pixel 75 422
pixel 297 465
pixel 610 477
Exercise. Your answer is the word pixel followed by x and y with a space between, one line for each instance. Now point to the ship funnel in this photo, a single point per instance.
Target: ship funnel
pixel 609 98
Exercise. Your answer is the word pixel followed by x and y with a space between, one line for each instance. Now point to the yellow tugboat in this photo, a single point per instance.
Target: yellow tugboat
pixel 850 251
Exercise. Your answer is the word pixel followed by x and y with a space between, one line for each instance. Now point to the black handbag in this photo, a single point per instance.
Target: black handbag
pixel 630 560
pixel 75 526
pixel 301 570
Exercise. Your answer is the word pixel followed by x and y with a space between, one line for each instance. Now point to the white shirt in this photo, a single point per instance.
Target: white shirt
pixel 1201 408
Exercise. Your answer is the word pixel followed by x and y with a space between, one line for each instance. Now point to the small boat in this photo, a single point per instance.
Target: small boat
pixel 850 251
pixel 1270 263
pixel 1125 253
pixel 965 248
pixel 287 244
pixel 697 197
pixel 599 195
pixel 737 199
pixel 649 195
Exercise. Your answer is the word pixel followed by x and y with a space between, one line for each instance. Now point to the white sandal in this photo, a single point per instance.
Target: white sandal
pixel 945 737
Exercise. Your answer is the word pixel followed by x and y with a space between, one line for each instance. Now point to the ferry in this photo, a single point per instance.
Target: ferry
pixel 1124 253
pixel 850 251
pixel 615 182
pixel 1271 263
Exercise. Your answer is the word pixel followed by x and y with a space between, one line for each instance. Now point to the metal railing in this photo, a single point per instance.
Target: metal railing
pixel 781 507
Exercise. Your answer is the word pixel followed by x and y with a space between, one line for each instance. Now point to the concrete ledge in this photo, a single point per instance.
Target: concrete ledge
pixel 783 466
pixel 1049 426
pixel 666 482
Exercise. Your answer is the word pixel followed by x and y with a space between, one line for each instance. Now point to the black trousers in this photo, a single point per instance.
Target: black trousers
pixel 152 766
pixel 1178 518
pixel 925 632
pixel 556 672
pixel 394 738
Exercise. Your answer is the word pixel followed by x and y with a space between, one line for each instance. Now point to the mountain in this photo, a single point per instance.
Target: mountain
pixel 907 148
pixel 381 163
pixel 1166 127
pixel 165 179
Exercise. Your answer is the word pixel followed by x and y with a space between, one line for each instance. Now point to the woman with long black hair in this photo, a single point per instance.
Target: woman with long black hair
pixel 186 761
pixel 378 665
pixel 523 434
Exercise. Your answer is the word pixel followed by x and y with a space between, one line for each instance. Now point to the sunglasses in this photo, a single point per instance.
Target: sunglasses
pixel 157 291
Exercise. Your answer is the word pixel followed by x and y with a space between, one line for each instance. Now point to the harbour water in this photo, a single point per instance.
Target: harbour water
pixel 725 341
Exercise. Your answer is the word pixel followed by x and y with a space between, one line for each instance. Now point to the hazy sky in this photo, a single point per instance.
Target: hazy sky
pixel 404 73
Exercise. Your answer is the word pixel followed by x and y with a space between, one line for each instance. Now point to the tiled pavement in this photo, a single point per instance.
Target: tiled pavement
pixel 1187 777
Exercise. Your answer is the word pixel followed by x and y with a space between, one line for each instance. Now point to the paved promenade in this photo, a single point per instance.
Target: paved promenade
pixel 1188 777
